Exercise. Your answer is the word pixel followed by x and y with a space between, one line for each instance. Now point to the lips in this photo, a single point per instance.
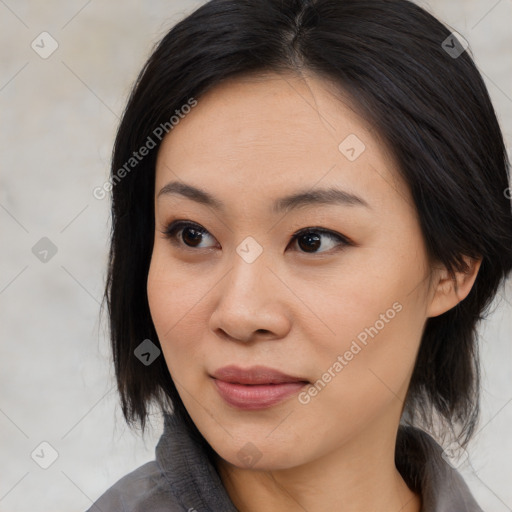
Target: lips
pixel 255 388
pixel 254 375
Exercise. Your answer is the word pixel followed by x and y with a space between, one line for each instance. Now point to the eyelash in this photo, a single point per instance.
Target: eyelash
pixel 174 227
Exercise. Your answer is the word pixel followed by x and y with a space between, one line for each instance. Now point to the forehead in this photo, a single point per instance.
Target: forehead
pixel 275 132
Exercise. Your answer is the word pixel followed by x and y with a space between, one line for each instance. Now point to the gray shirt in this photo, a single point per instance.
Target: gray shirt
pixel 183 477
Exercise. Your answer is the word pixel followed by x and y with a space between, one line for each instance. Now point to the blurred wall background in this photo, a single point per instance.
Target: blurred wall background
pixel 59 112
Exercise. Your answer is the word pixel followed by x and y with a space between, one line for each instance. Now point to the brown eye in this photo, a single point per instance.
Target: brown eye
pixel 191 234
pixel 310 240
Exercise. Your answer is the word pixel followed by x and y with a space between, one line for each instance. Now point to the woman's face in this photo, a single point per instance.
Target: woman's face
pixel 341 306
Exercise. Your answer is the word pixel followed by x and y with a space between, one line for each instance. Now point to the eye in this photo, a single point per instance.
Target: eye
pixel 191 234
pixel 309 239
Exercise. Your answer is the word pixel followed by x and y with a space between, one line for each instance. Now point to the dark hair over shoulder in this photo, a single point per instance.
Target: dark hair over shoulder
pixel 430 107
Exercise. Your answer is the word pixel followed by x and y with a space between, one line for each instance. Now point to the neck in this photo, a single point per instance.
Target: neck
pixel 359 475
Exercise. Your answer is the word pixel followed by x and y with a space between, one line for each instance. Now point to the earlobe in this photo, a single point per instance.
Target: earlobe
pixel 452 289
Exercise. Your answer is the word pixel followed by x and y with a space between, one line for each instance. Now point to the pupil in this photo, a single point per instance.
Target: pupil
pixel 315 239
pixel 194 238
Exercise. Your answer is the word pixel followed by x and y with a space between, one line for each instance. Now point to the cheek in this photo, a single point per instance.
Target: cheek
pixel 175 305
pixel 375 315
pixel 374 297
pixel 377 342
pixel 360 379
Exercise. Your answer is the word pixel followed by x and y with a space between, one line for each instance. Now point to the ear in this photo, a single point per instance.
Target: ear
pixel 449 290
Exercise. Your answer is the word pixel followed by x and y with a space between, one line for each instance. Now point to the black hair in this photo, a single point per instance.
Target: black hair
pixel 424 95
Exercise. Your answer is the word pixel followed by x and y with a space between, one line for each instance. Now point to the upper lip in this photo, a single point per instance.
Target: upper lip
pixel 254 375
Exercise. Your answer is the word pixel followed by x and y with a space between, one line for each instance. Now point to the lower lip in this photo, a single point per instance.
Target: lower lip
pixel 256 396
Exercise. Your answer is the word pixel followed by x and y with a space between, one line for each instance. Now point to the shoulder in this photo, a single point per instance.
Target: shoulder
pixel 432 472
pixel 145 488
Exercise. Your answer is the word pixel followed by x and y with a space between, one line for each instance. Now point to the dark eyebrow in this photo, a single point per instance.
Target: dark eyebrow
pixel 284 204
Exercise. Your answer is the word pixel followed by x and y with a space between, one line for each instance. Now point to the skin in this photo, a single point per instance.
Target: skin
pixel 248 142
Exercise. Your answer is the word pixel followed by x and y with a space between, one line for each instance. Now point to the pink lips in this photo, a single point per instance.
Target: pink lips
pixel 254 388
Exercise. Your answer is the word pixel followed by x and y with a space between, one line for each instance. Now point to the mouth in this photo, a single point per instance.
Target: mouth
pixel 258 387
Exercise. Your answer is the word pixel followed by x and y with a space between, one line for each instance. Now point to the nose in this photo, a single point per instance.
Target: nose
pixel 251 303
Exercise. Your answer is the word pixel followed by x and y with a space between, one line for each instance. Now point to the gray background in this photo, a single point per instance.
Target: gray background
pixel 58 117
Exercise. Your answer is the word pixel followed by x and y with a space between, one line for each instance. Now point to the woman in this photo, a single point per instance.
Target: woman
pixel 310 217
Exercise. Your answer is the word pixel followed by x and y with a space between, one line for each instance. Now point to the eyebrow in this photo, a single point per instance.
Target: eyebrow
pixel 301 198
